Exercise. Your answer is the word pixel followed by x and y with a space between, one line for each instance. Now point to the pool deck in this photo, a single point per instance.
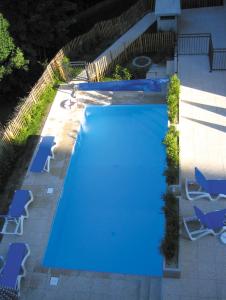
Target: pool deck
pixel 202 144
pixel 63 122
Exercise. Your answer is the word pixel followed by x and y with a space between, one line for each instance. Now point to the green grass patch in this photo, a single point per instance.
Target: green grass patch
pixel 33 119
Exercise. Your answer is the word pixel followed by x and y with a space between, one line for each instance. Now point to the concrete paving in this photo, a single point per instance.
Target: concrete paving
pixel 202 144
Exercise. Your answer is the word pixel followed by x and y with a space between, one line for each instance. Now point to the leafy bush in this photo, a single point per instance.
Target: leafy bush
pixel 173 98
pixel 171 141
pixel 172 147
pixel 171 174
pixel 121 73
pixel 169 246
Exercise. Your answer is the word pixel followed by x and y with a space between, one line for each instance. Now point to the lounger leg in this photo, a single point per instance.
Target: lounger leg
pixel 47 165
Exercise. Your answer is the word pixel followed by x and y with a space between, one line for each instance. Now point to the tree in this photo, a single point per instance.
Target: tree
pixel 11 57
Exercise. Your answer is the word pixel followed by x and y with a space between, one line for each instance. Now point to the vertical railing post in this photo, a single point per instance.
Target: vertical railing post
pixel 210 53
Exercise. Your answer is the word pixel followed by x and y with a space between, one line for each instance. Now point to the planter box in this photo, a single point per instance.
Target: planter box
pixel 172 269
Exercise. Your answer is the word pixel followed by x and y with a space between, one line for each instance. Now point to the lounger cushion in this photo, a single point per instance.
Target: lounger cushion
pixel 12 267
pixel 213 187
pixel 20 199
pixel 217 187
pixel 212 220
pixel 43 153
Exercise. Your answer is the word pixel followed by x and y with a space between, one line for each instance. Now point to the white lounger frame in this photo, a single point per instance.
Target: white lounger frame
pixel 47 164
pixel 199 193
pixel 23 269
pixel 17 221
pixel 202 231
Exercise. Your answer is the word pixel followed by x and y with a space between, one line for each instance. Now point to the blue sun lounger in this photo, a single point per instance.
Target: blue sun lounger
pixel 42 158
pixel 213 189
pixel 13 267
pixel 210 223
pixel 17 212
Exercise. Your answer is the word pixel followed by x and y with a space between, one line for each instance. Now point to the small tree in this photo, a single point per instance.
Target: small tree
pixel 11 57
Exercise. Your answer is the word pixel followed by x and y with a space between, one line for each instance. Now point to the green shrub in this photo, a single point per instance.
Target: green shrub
pixel 120 73
pixel 173 98
pixel 172 147
pixel 172 175
pixel 169 246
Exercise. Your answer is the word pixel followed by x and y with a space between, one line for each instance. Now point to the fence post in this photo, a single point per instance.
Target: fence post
pixel 97 72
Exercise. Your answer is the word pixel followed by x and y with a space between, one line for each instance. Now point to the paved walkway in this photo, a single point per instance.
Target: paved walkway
pixel 202 144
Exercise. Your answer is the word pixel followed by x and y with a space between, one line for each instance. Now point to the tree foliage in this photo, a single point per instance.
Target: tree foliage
pixel 11 57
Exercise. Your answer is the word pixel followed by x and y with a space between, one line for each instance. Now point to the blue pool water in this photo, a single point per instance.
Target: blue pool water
pixel 109 216
pixel 145 85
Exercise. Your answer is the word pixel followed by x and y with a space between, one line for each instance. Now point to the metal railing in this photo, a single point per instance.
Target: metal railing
pixel 193 44
pixel 202 44
pixel 200 3
pixel 219 59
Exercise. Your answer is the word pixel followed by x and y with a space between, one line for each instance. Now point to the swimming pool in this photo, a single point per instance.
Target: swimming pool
pixel 145 85
pixel 109 216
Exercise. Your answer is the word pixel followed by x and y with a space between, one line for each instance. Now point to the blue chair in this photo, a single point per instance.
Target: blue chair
pixel 213 189
pixel 17 212
pixel 210 223
pixel 13 267
pixel 41 161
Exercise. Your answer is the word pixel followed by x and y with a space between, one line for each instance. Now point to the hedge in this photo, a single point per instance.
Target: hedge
pixel 171 141
pixel 173 99
pixel 169 246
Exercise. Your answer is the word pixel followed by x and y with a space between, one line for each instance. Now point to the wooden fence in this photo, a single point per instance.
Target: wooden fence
pixel 200 3
pixel 105 29
pixel 163 42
